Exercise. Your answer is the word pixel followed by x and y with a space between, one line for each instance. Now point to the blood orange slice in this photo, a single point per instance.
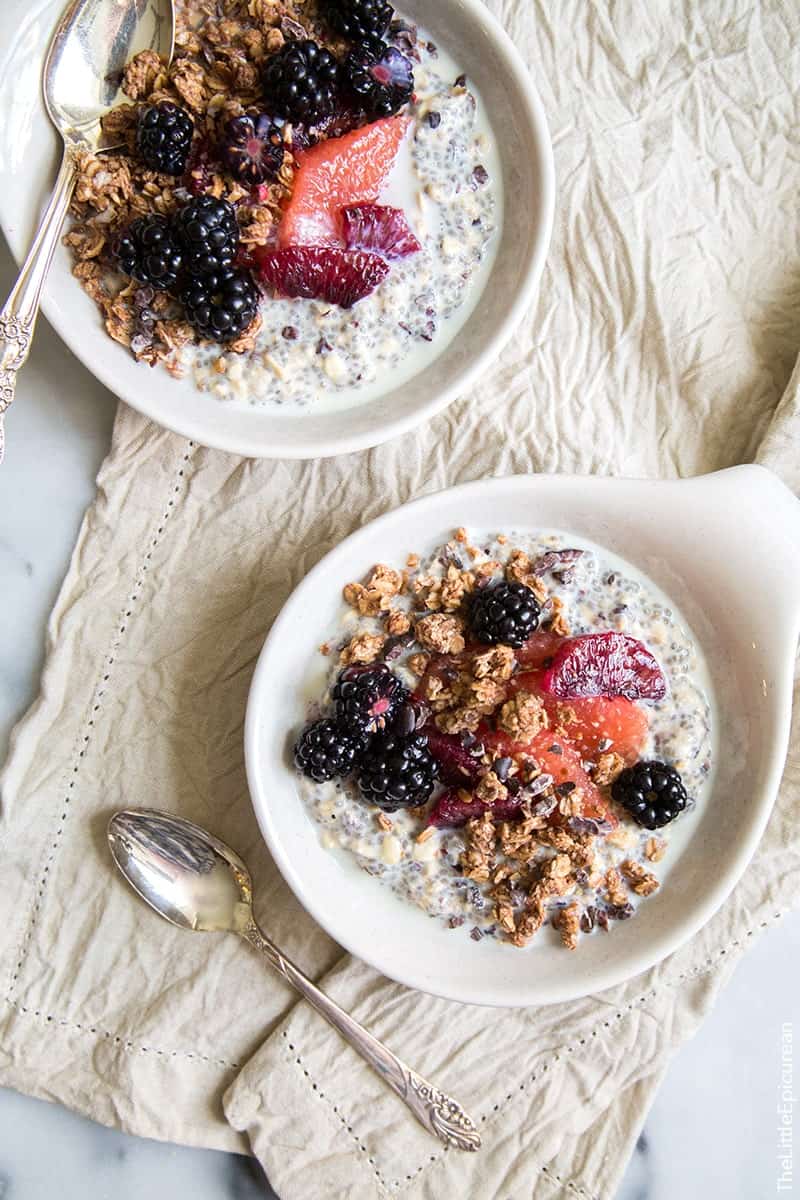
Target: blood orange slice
pixel 339 172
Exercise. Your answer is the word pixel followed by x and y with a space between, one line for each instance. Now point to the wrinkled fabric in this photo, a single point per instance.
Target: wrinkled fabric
pixel 662 344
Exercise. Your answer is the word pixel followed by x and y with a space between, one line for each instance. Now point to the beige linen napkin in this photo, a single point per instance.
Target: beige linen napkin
pixel 661 344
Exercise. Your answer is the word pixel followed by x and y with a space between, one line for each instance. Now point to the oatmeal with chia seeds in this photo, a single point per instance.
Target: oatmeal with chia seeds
pixel 515 732
pixel 308 197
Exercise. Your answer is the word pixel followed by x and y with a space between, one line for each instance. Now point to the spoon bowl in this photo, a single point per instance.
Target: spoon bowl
pixel 92 44
pixel 198 883
pixel 188 876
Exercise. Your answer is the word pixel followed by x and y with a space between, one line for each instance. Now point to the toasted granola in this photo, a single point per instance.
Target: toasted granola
pixel 523 716
pixel 363 648
pixel 607 768
pixel 642 882
pixel 441 634
pixel 569 924
pixel 478 859
pixel 615 889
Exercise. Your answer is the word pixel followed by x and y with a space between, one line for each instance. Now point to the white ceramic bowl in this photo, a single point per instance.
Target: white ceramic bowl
pixel 487 55
pixel 724 548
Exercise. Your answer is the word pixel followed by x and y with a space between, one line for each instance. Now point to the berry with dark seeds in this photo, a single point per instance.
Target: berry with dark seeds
pixel 252 148
pixel 148 251
pixel 379 78
pixel 300 82
pixel 164 137
pixel 367 698
pixel 221 306
pixel 397 772
pixel 359 19
pixel 506 612
pixel 325 751
pixel 652 792
pixel 209 233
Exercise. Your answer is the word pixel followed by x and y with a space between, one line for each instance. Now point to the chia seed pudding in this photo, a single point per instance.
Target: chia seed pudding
pixel 536 816
pixel 306 198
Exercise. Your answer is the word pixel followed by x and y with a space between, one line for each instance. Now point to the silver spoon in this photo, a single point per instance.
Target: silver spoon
pixel 91 45
pixel 197 882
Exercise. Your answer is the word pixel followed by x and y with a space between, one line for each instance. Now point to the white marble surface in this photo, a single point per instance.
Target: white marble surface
pixel 712 1132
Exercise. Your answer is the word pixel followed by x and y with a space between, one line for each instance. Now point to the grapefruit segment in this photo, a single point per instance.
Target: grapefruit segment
pixel 598 720
pixel 336 173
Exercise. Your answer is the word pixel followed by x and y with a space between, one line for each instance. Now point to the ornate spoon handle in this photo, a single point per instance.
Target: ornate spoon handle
pixel 19 313
pixel 432 1108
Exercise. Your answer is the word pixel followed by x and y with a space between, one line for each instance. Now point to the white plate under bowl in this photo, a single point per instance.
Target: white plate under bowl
pixel 725 550
pixel 28 159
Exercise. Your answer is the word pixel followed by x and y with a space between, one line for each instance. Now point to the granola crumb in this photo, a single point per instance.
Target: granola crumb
pixel 325 649
pixel 397 622
pixel 363 648
pixel 528 924
pixel 519 570
pixel 461 535
pixel 502 539
pixel 419 663
pixel 607 768
pixel 440 633
pixel 496 663
pixel 615 889
pixel 384 822
pixel 558 622
pixel 376 596
pixel 655 849
pixel 490 789
pixel 478 859
pixel 427 833
pixel 568 923
pixel 446 593
pixel 412 562
pixel 641 881
pixel 523 716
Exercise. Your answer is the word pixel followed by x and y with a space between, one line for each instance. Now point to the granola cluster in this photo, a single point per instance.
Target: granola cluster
pixel 548 861
pixel 220 47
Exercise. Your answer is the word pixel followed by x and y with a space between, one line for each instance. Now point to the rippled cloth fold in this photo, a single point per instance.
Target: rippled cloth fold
pixel 662 344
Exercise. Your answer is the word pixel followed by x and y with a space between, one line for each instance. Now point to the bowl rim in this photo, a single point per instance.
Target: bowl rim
pixel 614 972
pixel 145 400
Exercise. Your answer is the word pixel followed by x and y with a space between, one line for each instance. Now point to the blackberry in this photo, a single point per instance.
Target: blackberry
pixel 397 772
pixel 221 306
pixel 209 233
pixel 379 78
pixel 652 792
pixel 148 251
pixel 252 148
pixel 367 698
pixel 359 19
pixel 164 137
pixel 506 612
pixel 300 82
pixel 325 751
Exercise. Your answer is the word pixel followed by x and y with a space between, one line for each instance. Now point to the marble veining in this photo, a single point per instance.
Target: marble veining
pixel 712 1132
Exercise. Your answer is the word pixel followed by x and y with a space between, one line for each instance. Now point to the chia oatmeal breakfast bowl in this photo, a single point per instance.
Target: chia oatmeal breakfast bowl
pixel 323 220
pixel 528 735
